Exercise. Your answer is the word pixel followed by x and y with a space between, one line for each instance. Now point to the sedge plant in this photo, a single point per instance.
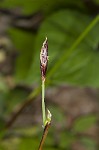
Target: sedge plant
pixel 43 67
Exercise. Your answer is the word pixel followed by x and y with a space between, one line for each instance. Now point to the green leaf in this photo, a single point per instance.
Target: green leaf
pixel 84 123
pixel 79 65
pixel 24 42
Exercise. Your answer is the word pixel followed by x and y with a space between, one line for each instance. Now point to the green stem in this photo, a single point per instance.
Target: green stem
pixel 43 103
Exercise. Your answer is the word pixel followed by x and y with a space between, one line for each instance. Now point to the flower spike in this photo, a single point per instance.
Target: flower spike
pixel 44 59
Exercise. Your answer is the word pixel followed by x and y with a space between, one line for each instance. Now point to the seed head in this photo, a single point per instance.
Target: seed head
pixel 44 59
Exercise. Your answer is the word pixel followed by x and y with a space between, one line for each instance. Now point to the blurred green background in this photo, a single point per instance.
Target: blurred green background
pixel 72 82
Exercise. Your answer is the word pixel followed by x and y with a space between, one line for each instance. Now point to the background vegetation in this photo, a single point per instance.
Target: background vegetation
pixel 72 28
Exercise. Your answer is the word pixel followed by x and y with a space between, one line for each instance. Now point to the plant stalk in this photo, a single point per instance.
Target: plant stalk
pixel 45 132
pixel 43 102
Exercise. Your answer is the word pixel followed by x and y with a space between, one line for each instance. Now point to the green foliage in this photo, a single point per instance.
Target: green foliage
pixel 29 143
pixel 29 6
pixel 73 59
pixel 79 66
pixel 62 29
pixel 58 115
pixel 69 139
pixel 84 123
pixel 24 42
pixel 96 1
pixel 3 86
pixel 89 143
pixel 16 96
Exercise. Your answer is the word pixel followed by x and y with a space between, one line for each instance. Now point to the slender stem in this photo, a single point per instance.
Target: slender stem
pixel 45 132
pixel 43 102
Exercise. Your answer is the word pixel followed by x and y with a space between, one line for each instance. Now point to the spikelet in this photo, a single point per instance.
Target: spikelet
pixel 44 59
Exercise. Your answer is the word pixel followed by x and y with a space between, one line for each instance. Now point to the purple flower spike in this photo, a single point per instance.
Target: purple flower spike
pixel 44 59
